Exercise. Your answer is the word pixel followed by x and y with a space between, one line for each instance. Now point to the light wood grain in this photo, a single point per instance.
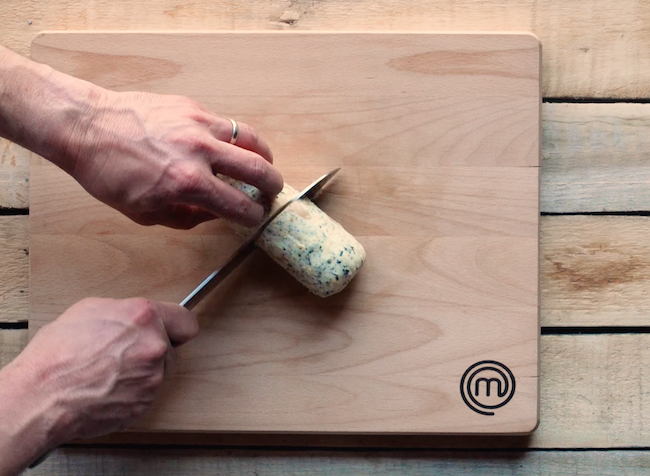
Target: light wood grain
pixel 14 268
pixel 591 49
pixel 12 342
pixel 595 271
pixel 592 396
pixel 595 158
pixel 592 270
pixel 163 462
pixel 431 70
pixel 438 136
pixel 466 201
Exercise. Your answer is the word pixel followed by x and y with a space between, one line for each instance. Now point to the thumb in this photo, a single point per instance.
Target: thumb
pixel 180 324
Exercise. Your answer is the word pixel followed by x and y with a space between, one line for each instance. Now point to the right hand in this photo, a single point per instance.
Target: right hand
pixel 97 368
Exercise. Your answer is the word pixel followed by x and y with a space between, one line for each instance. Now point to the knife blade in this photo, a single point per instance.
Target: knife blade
pixel 238 257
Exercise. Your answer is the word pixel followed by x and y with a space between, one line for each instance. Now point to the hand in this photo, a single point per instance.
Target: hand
pixel 154 158
pixel 94 370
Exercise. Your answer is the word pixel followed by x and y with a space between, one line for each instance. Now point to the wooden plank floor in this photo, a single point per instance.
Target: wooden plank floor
pixel 73 461
pixel 595 252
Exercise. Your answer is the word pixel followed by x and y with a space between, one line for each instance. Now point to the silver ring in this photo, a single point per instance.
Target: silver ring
pixel 235 131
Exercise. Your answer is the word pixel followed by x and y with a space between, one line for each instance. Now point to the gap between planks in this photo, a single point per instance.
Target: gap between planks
pixel 14 272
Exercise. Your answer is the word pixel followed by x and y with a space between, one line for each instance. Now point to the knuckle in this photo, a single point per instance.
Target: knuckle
pixel 191 141
pixel 138 410
pixel 142 312
pixel 186 178
pixel 157 350
pixel 200 145
pixel 242 208
pixel 156 380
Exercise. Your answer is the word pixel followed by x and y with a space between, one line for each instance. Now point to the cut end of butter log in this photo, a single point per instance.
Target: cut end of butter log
pixel 306 242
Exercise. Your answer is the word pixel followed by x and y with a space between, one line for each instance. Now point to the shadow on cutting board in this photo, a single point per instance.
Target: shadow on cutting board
pixel 261 283
pixel 313 442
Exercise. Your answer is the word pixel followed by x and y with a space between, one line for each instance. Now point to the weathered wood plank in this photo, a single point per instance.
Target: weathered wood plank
pixel 594 391
pixel 585 53
pixel 12 342
pixel 14 175
pixel 595 271
pixel 162 462
pixel 596 157
pixel 14 268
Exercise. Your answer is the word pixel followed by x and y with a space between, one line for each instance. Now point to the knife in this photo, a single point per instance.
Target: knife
pixel 248 246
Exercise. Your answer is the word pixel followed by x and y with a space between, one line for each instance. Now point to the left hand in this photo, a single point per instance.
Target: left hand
pixel 154 158
pixel 94 370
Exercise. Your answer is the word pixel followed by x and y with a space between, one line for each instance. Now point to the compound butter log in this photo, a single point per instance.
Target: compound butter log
pixel 306 242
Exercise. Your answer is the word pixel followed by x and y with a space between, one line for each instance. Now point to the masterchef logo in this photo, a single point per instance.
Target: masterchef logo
pixel 486 386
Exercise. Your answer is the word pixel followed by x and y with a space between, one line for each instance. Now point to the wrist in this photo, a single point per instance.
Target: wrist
pixel 72 130
pixel 44 110
pixel 30 420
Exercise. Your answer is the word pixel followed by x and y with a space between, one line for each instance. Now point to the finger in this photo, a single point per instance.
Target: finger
pixel 246 166
pixel 223 200
pixel 247 137
pixel 180 324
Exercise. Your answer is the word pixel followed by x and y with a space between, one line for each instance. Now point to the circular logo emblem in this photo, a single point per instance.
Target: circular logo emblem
pixel 486 386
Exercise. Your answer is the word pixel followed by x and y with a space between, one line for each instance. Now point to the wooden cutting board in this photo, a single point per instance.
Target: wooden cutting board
pixel 438 137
